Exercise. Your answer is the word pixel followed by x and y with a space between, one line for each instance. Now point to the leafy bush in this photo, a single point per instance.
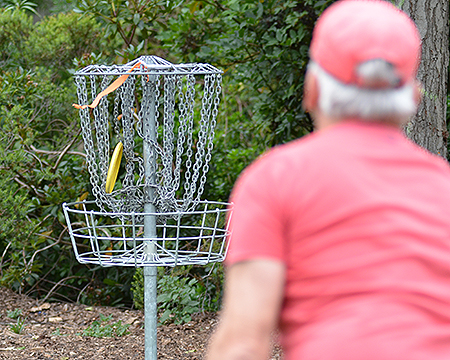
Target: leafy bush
pixel 262 45
pixel 133 24
pixel 103 327
pixel 16 28
pixel 180 293
pixel 18 232
pixel 177 299
pixel 42 163
pixel 23 5
pixel 59 39
pixel 137 288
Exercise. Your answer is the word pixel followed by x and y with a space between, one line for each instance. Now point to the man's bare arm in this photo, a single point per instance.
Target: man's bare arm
pixel 252 301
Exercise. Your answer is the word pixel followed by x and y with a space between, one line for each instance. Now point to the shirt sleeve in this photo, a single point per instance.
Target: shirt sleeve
pixel 257 225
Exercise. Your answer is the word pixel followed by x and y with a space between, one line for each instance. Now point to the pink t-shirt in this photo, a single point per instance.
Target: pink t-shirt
pixel 361 218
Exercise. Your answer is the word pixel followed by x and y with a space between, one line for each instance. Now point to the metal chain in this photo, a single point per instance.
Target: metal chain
pixel 127 99
pixel 182 129
pixel 87 136
pixel 167 194
pixel 103 148
pixel 133 105
pixel 189 101
pixel 101 115
pixel 204 135
pixel 212 111
pixel 149 112
pixel 116 115
pixel 89 146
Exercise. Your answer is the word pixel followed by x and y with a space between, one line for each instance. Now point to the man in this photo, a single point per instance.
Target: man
pixel 341 239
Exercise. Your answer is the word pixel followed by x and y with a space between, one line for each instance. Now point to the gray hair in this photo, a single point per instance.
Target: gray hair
pixel 378 102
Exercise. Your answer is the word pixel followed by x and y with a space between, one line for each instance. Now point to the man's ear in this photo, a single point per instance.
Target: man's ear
pixel 310 92
pixel 418 92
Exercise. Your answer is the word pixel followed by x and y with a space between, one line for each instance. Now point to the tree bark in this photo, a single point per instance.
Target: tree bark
pixel 428 128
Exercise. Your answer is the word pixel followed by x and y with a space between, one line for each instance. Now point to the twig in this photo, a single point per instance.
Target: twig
pixel 58 284
pixel 41 278
pixel 29 187
pixel 3 256
pixel 40 250
pixel 82 291
pixel 48 152
pixel 66 149
pixel 28 238
pixel 36 157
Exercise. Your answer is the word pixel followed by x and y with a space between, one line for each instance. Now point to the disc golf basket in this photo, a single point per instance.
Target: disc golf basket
pixel 148 129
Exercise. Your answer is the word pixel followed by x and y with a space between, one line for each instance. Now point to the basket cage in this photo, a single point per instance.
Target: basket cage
pixel 165 116
pixel 188 238
pixel 170 108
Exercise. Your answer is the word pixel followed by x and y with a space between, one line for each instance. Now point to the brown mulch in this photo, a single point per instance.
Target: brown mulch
pixel 54 331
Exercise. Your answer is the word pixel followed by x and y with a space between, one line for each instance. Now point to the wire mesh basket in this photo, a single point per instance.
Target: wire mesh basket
pixel 184 238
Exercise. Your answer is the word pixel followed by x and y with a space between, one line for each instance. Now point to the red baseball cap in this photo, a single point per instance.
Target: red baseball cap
pixel 352 32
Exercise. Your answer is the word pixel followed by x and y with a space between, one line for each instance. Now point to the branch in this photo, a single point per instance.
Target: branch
pixel 216 3
pixel 30 263
pixel 3 256
pixel 58 284
pixel 29 187
pixel 132 35
pixel 65 150
pixel 38 151
pixel 37 158
pixel 82 291
pixel 54 265
pixel 144 6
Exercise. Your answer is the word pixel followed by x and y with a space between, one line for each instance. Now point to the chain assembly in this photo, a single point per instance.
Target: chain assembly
pixel 152 108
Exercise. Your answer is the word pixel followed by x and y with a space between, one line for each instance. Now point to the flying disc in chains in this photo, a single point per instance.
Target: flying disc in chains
pixel 114 168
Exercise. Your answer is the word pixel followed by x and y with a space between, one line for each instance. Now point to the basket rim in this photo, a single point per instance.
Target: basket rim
pixel 150 65
pixel 163 256
pixel 225 207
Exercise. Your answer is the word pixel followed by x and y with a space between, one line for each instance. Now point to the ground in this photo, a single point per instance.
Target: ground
pixel 57 331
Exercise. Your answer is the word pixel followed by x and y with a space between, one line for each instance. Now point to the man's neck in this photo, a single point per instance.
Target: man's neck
pixel 322 121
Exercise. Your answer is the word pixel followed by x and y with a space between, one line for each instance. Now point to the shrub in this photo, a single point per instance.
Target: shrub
pixel 104 327
pixel 41 162
pixel 180 293
pixel 59 39
pixel 16 28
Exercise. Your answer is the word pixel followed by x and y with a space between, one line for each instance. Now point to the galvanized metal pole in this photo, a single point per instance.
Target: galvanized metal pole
pixel 150 272
pixel 150 308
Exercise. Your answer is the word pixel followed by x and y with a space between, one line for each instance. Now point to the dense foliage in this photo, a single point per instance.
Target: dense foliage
pixel 41 158
pixel 262 46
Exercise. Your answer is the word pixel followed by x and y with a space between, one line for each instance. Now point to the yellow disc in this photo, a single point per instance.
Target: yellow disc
pixel 114 168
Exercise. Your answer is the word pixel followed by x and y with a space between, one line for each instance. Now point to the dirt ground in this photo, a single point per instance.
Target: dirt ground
pixel 56 331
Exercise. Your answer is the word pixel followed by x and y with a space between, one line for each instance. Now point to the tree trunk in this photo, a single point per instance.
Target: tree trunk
pixel 428 128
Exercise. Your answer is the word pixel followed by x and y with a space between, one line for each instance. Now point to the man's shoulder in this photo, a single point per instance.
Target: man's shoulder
pixel 308 144
pixel 309 148
pixel 284 154
pixel 342 146
pixel 284 162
